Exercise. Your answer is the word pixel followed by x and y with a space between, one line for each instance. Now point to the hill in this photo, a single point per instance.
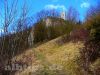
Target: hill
pixel 51 55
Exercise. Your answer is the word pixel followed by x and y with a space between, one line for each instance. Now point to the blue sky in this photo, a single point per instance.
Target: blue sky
pixel 80 5
pixel 37 5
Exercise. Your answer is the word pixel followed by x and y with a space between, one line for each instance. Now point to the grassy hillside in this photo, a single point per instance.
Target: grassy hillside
pixel 64 56
pixel 52 59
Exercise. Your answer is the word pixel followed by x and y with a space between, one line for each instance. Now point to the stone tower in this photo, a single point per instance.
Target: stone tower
pixel 63 15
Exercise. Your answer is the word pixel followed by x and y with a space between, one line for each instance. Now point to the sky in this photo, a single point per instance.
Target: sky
pixel 35 6
pixel 80 5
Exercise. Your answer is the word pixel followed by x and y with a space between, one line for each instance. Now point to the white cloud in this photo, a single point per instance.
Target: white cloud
pixel 51 6
pixel 85 5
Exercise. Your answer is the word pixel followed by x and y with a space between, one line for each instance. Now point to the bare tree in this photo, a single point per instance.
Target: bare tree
pixel 22 21
pixel 11 43
pixel 8 17
pixel 72 14
pixel 47 13
pixel 10 12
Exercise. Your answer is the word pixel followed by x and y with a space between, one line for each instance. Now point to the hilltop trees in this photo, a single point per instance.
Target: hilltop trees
pixel 40 32
pixel 43 32
pixel 57 26
pixel 50 26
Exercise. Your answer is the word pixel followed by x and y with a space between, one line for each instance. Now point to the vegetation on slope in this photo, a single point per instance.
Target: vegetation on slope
pixel 56 59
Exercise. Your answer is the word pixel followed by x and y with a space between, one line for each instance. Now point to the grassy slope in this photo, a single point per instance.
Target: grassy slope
pixel 63 55
pixel 51 53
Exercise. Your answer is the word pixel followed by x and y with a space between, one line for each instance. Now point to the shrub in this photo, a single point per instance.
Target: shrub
pixel 79 35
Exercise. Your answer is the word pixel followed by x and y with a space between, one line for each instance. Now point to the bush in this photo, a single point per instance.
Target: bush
pixel 79 35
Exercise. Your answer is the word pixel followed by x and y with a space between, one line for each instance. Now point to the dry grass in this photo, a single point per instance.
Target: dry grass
pixel 51 53
pixel 65 55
